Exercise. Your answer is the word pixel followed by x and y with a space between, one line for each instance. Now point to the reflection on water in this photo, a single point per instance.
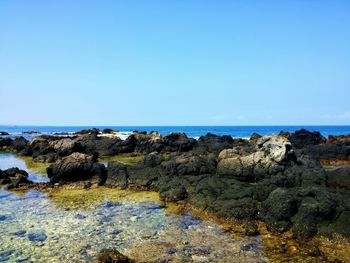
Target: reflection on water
pixel 73 225
pixel 8 160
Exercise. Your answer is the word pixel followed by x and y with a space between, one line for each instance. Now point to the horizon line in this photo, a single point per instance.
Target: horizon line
pixel 207 125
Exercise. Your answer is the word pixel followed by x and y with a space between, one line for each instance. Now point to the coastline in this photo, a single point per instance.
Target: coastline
pixel 267 180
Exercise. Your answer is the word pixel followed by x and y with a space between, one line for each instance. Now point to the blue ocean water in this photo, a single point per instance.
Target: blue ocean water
pixel 191 131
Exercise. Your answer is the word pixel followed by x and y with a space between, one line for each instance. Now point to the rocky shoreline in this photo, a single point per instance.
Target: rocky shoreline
pixel 276 179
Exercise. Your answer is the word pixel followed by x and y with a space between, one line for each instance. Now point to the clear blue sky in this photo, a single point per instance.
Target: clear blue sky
pixel 177 62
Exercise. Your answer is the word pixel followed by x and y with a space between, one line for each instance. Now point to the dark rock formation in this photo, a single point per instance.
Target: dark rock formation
pixel 76 167
pixel 88 131
pixel 104 146
pixel 340 138
pixel 305 209
pixel 13 177
pixel 18 144
pixel 4 133
pixel 30 132
pixel 302 138
pixel 188 164
pixel 109 131
pixel 178 142
pixel 213 143
pixel 117 175
pixel 330 153
pixel 147 143
pixel 339 177
pixel 254 137
pixel 5 143
pixel 112 256
pixel 251 229
pixel 277 179
pixel 50 149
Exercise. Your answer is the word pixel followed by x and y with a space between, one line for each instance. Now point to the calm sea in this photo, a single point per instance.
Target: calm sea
pixel 192 131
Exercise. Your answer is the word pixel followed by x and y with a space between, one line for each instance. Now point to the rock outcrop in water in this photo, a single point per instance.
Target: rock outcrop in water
pixel 277 179
pixel 13 177
pixel 76 167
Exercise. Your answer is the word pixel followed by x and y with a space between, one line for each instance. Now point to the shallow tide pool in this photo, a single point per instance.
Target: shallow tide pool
pixel 74 225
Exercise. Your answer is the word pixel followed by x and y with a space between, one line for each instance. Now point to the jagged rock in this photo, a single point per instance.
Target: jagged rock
pixel 339 177
pixel 63 147
pixel 178 142
pixel 76 167
pixel 104 146
pixel 244 208
pixel 109 131
pixel 147 143
pixel 331 152
pixel 88 131
pixel 302 208
pixel 341 224
pixel 271 155
pixel 213 143
pixel 5 142
pixel 254 137
pixel 302 138
pixel 278 209
pixel 189 164
pixel 144 177
pixel 117 175
pixel 228 153
pixel 172 193
pixel 153 159
pixel 13 177
pixel 18 144
pixel 339 138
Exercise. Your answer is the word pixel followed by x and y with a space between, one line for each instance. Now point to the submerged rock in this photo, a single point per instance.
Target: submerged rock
pixel 37 237
pixel 112 256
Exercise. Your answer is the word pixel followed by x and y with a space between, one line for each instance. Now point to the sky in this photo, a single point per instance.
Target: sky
pixel 182 62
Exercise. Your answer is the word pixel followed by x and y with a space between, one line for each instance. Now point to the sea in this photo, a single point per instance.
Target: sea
pixel 191 131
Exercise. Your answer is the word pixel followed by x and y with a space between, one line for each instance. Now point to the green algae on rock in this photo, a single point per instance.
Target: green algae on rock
pixel 123 158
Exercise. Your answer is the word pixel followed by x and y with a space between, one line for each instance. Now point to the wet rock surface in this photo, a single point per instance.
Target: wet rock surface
pixel 13 177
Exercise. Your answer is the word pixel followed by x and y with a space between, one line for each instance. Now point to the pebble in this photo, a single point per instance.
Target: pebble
pixel 79 216
pixel 3 217
pixel 37 237
pixel 171 251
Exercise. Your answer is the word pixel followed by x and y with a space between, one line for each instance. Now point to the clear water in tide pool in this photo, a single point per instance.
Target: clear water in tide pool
pixel 74 225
